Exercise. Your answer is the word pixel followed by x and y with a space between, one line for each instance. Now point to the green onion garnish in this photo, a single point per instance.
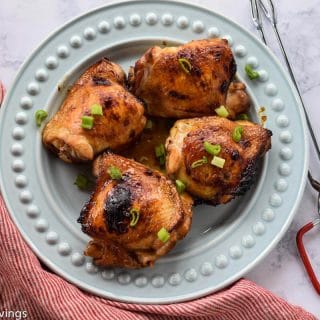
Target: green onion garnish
pixel 237 133
pixel 218 162
pixel 149 124
pixel 135 214
pixel 87 122
pixel 222 111
pixel 251 73
pixel 242 116
pixel 114 173
pixel 82 182
pixel 163 235
pixel 96 110
pixel 199 162
pixel 160 152
pixel 40 115
pixel 180 186
pixel 185 65
pixel 213 149
pixel 143 159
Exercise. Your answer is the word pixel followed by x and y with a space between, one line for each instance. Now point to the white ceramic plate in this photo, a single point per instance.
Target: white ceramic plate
pixel 224 242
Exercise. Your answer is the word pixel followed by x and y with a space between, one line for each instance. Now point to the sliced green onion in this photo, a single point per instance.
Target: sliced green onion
pixel 163 235
pixel 40 116
pixel 180 186
pixel 218 162
pixel 87 122
pixel 160 152
pixel 213 149
pixel 149 124
pixel 251 73
pixel 242 116
pixel 222 111
pixel 199 162
pixel 115 173
pixel 82 182
pixel 135 215
pixel 185 65
pixel 96 110
pixel 237 133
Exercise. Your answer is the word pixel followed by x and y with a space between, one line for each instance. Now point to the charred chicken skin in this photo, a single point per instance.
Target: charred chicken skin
pixel 115 203
pixel 121 121
pixel 191 80
pixel 188 158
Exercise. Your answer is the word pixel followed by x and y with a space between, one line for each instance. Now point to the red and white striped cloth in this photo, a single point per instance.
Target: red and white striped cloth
pixel 29 291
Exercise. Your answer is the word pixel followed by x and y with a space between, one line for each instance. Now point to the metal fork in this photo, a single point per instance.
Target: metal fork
pixel 256 6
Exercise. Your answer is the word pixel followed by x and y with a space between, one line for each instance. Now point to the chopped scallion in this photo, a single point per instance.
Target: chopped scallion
pixel 82 182
pixel 149 124
pixel 115 173
pixel 237 133
pixel 185 65
pixel 251 73
pixel 135 215
pixel 143 159
pixel 180 186
pixel 222 111
pixel 213 149
pixel 218 162
pixel 199 162
pixel 160 152
pixel 163 235
pixel 242 116
pixel 87 122
pixel 40 116
pixel 96 110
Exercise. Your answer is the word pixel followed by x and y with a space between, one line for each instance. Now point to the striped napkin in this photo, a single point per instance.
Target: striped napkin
pixel 29 291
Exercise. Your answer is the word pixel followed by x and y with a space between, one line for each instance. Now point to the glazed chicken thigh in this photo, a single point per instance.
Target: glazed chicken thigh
pixel 133 218
pixel 194 143
pixel 188 81
pixel 118 122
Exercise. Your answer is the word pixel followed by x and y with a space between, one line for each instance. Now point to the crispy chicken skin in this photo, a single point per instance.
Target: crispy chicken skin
pixel 215 185
pixel 121 123
pixel 170 92
pixel 106 216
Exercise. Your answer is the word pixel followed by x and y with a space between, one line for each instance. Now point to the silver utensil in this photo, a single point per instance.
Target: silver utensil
pixel 256 5
pixel 270 14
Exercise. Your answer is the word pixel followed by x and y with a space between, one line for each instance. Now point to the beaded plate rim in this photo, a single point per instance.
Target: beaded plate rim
pixel 190 274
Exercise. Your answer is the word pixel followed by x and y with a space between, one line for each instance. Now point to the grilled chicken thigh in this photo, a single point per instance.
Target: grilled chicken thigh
pixel 122 118
pixel 186 81
pixel 114 205
pixel 189 161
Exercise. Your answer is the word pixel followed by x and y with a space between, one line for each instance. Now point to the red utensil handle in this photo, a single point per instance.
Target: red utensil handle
pixel 304 256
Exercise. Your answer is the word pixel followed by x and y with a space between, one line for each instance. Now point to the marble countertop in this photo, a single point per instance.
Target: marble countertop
pixel 25 23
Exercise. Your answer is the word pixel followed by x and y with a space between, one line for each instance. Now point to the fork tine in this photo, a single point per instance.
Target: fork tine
pixel 270 15
pixel 256 18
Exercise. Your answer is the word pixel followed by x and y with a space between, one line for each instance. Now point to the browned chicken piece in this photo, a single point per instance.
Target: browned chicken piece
pixel 122 120
pixel 189 161
pixel 238 100
pixel 109 215
pixel 188 81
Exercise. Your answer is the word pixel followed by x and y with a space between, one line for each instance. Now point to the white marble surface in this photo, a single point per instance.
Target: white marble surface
pixel 24 23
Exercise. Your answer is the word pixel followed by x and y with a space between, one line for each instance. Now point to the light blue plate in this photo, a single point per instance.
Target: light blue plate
pixel 224 242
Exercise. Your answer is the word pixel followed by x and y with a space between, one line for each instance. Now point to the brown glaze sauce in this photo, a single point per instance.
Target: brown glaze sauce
pixel 143 150
pixel 262 116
